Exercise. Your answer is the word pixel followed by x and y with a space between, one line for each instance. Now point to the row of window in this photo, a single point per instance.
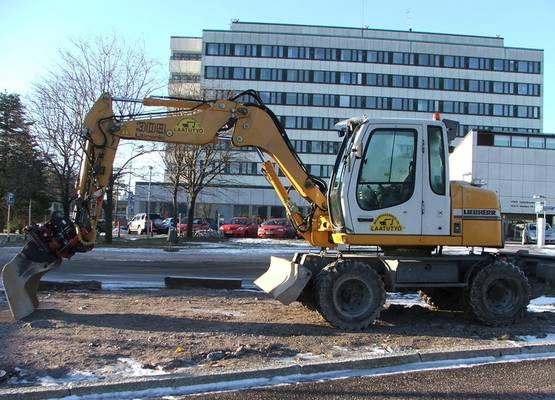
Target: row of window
pixel 372 56
pixel 300 146
pixel 319 123
pixel 371 79
pixel 176 77
pixel 521 141
pixel 181 55
pixel 399 104
pixel 316 146
pixel 253 168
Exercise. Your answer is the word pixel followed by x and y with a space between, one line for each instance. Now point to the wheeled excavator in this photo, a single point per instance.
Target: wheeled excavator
pixel 380 225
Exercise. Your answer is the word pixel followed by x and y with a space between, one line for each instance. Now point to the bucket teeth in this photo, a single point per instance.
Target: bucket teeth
pixel 21 277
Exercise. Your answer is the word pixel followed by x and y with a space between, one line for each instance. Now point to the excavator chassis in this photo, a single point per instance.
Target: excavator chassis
pixel 348 288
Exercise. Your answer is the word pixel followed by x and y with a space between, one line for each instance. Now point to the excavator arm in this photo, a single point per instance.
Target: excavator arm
pixel 183 121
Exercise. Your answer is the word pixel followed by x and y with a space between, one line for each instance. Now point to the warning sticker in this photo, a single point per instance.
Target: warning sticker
pixel 386 223
pixel 188 125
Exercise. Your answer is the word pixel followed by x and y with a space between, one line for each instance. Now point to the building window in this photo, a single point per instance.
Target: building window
pixel 550 143
pixel 238 73
pixel 518 141
pixel 536 142
pixel 502 140
pixel 211 72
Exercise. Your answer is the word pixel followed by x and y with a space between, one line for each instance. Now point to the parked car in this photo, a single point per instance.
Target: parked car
pixel 165 225
pixel 279 228
pixel 240 227
pixel 530 234
pixel 139 221
pixel 100 226
pixel 200 224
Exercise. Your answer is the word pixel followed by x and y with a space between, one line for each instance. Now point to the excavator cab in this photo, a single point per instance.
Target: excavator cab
pixel 389 172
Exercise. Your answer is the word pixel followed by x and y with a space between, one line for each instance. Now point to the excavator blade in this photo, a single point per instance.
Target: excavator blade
pixel 284 280
pixel 21 277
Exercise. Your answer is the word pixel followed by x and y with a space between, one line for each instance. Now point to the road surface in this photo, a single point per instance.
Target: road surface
pixel 143 267
pixel 244 259
pixel 504 381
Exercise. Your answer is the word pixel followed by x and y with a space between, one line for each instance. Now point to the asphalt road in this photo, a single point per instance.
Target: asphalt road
pixel 142 268
pixel 506 381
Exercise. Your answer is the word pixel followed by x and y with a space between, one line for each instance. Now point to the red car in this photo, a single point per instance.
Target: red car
pixel 199 224
pixel 240 227
pixel 279 228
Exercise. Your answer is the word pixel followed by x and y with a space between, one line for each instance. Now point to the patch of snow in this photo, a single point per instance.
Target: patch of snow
pixel 271 242
pixel 76 376
pixel 549 338
pixel 127 367
pixel 542 304
pixel 124 368
pixel 405 299
pixel 225 313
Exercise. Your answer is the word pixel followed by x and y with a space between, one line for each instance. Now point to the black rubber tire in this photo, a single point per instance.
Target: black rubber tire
pixel 499 294
pixel 307 299
pixel 448 299
pixel 349 295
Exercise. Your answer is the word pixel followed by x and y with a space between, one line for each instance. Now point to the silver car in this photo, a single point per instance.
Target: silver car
pixel 530 234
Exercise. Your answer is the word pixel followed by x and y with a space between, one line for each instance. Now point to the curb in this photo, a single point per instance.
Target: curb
pixel 65 286
pixel 179 380
pixel 180 282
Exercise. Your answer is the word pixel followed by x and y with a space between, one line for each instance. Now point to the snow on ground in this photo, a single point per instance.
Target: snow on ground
pixel 123 368
pixel 542 304
pixel 549 338
pixel 243 384
pixel 405 299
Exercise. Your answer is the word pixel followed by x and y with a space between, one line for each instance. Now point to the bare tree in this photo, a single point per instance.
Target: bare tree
pixel 201 166
pixel 195 167
pixel 122 169
pixel 60 100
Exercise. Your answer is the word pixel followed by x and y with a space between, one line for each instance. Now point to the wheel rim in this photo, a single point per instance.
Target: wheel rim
pixel 501 295
pixel 351 297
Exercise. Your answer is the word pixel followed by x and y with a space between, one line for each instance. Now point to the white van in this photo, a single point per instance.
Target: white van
pixel 139 221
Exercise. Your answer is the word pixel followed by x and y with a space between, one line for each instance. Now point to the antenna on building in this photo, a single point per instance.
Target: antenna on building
pixel 233 21
pixel 409 20
pixel 362 13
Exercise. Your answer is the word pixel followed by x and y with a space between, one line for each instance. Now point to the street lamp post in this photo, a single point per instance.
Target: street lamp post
pixel 148 229
pixel 540 221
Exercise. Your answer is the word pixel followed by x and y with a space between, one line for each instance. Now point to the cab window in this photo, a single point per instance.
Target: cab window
pixel 386 177
pixel 436 159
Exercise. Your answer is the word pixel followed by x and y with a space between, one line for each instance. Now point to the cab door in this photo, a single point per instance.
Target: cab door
pixel 436 203
pixel 385 190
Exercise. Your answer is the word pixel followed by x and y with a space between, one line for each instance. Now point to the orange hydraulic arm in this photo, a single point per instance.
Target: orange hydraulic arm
pixel 196 122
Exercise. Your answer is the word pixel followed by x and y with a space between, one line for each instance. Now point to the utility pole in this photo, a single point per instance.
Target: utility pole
pixel 148 229
pixel 11 201
pixel 30 201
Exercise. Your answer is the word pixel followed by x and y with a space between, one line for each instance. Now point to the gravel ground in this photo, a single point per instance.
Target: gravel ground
pixel 113 333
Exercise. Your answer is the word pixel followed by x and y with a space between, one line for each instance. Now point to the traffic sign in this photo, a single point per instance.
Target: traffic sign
pixel 11 199
pixel 538 207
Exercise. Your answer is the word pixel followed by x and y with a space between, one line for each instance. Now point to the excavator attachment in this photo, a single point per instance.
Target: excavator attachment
pixel 21 277
pixel 284 280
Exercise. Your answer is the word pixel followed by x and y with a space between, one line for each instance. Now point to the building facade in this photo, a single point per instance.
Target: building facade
pixel 518 167
pixel 314 76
